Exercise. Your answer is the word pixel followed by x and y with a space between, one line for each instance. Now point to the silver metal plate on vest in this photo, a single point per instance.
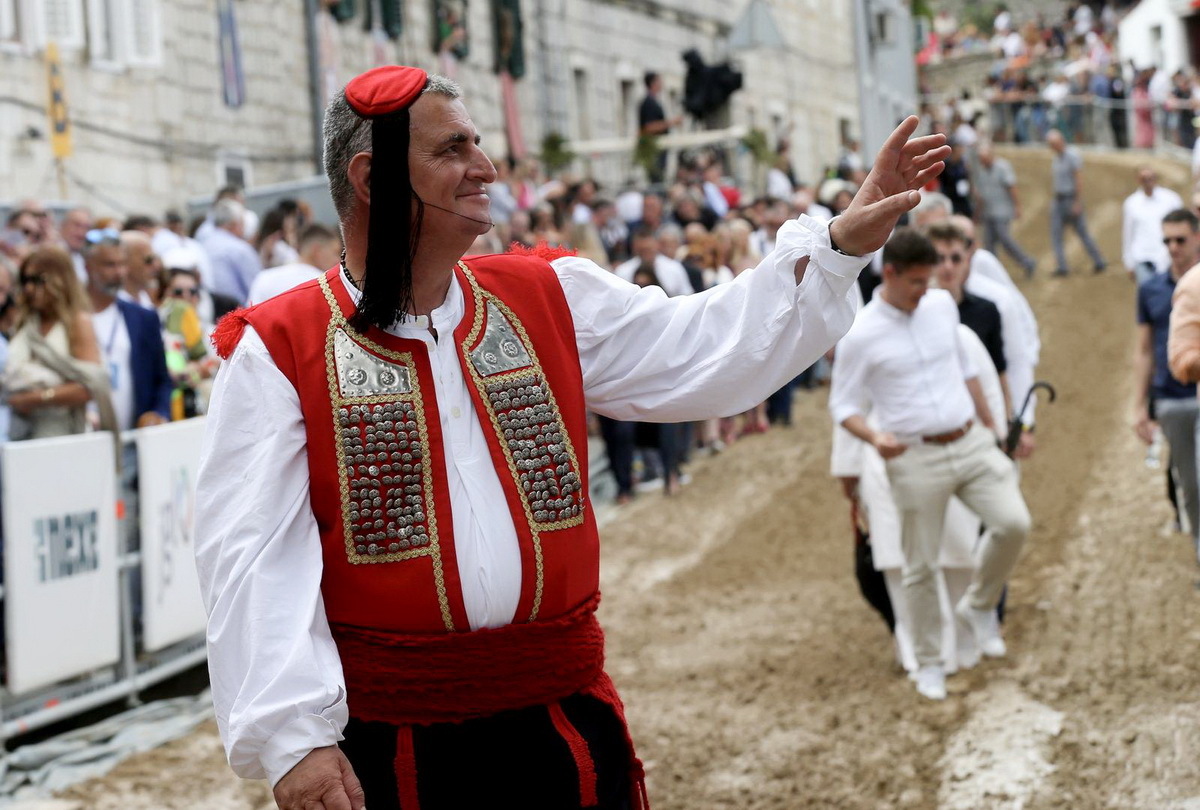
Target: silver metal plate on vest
pixel 362 374
pixel 500 350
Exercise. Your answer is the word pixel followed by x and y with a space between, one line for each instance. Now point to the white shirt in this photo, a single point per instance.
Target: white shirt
pixel 912 367
pixel 778 184
pixel 115 348
pixel 671 274
pixel 985 264
pixel 276 676
pixel 80 267
pixel 1020 350
pixel 270 283
pixel 1141 231
pixel 143 299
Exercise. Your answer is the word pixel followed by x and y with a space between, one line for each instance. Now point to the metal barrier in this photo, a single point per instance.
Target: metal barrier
pixel 155 491
pixel 1089 120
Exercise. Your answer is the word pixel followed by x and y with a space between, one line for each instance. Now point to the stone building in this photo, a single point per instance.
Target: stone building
pixel 168 99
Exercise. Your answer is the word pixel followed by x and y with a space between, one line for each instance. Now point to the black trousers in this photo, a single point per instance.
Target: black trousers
pixel 618 443
pixel 512 759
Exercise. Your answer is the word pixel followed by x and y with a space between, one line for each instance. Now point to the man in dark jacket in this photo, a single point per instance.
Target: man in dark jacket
pixel 130 338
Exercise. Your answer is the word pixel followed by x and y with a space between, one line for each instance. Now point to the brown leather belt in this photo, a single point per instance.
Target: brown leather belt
pixel 949 436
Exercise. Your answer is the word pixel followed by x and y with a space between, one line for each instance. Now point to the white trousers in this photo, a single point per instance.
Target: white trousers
pixel 923 478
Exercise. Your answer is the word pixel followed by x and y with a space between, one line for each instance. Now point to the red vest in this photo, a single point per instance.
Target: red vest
pixel 376 456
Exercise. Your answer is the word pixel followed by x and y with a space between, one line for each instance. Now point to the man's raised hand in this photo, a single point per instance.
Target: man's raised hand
pixel 891 189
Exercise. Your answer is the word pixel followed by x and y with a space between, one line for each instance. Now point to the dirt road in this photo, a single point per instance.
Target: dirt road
pixel 755 676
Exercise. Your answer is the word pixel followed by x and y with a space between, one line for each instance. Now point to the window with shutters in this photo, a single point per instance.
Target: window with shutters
pixel 144 40
pixel 10 22
pixel 58 21
pixel 124 32
pixel 104 32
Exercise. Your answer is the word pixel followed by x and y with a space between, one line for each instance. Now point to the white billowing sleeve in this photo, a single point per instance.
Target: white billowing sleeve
pixel 647 357
pixel 276 676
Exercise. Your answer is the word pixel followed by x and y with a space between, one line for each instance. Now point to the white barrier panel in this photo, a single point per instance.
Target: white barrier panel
pixel 168 460
pixel 61 615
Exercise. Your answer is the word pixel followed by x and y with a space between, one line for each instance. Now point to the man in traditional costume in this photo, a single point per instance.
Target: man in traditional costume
pixel 395 541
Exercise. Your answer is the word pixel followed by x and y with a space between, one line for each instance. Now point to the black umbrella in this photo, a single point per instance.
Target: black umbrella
pixel 1016 427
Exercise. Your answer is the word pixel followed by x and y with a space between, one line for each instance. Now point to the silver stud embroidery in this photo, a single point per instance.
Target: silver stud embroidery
pixel 500 350
pixel 362 374
pixel 382 517
pixel 530 427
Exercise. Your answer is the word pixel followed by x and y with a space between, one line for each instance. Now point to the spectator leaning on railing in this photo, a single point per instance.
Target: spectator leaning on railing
pixel 54 365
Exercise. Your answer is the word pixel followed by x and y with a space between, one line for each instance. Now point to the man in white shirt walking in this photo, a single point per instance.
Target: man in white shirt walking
pixel 904 354
pixel 1142 248
pixel 319 248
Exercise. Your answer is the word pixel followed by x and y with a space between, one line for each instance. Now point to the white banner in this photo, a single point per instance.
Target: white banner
pixel 60 558
pixel 168 460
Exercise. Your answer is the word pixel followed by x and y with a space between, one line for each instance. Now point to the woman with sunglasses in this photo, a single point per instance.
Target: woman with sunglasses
pixel 54 366
pixel 189 361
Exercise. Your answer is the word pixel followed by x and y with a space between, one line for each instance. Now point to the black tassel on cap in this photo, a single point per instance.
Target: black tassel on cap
pixel 394 229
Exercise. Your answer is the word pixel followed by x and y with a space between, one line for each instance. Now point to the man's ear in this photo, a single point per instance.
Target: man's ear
pixel 359 173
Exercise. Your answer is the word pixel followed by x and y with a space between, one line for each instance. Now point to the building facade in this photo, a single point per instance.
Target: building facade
pixel 169 99
pixel 887 80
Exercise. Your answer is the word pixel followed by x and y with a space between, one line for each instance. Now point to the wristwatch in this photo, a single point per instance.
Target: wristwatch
pixel 833 244
pixel 47 394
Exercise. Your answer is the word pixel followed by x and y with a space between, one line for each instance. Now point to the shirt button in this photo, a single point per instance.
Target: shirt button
pixel 455 412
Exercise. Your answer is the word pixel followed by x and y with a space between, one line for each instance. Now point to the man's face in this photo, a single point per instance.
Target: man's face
pixel 74 229
pixel 325 253
pixel 905 289
pixel 106 268
pixel 952 268
pixel 1182 243
pixel 1147 179
pixel 449 170
pixel 655 85
pixel 652 207
pixel 140 263
pixel 645 248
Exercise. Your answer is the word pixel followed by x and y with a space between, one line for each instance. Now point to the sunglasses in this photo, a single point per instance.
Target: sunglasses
pixel 953 258
pixel 180 292
pixel 1174 240
pixel 36 281
pixel 103 236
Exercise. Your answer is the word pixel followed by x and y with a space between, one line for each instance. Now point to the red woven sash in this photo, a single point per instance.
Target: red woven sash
pixel 408 680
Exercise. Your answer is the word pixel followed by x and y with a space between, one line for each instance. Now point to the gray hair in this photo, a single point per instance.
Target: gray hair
pixel 931 201
pixel 226 212
pixel 345 136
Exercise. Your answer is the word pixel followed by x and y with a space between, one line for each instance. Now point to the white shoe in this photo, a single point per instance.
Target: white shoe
pixel 985 625
pixel 931 682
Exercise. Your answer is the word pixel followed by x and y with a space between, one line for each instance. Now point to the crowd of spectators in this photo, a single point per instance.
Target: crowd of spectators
pixel 104 323
pixel 109 320
pixel 696 231
pixel 1064 75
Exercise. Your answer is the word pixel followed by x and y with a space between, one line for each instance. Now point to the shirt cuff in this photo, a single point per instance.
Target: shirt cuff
pixel 293 743
pixel 810 237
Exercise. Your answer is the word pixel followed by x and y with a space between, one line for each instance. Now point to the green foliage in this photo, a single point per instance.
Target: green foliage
pixel 646 152
pixel 755 142
pixel 556 153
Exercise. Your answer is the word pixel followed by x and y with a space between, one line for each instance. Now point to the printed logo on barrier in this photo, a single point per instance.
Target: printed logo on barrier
pixel 178 519
pixel 66 545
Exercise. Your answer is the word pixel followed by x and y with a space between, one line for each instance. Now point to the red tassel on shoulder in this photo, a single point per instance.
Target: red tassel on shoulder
pixel 542 250
pixel 227 334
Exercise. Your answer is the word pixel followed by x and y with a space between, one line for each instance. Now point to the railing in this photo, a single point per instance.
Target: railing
pixel 1091 120
pixel 101 598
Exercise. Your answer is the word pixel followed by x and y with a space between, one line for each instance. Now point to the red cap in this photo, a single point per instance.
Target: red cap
pixel 384 90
